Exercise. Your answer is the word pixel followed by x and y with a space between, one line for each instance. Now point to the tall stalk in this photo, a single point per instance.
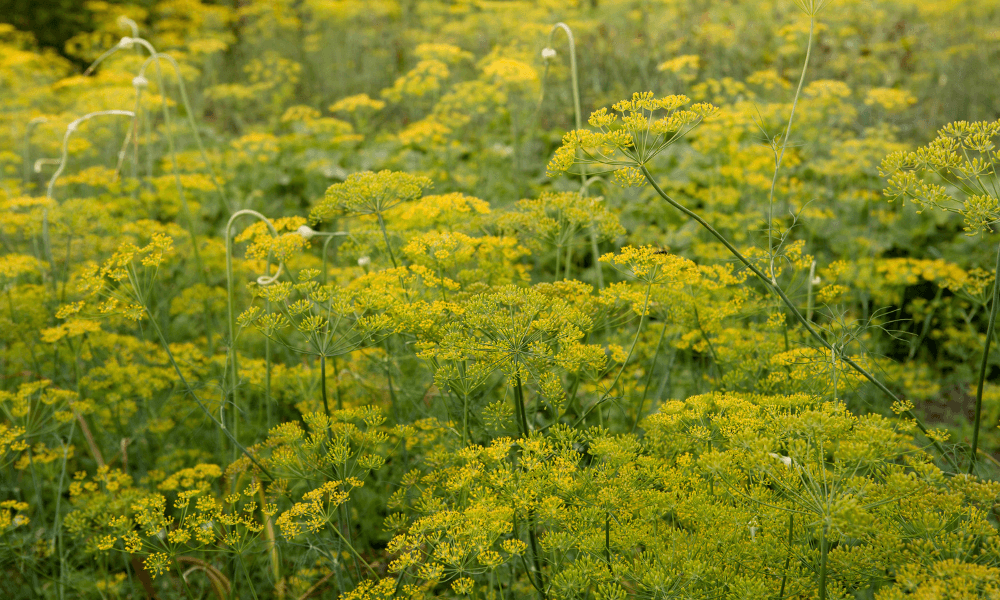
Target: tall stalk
pixel 649 378
pixel 628 357
pixel 784 143
pixel 532 536
pixel 265 279
pixel 823 553
pixel 190 391
pixel 578 120
pixel 985 363
pixel 322 383
pixel 775 289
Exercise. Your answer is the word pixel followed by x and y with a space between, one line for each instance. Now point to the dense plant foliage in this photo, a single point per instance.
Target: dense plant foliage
pixel 333 298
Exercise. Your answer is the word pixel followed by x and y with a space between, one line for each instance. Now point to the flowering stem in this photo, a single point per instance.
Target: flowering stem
pixel 773 287
pixel 190 117
pixel 267 375
pixel 982 367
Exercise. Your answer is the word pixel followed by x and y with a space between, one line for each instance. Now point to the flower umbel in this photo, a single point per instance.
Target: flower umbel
pixel 643 128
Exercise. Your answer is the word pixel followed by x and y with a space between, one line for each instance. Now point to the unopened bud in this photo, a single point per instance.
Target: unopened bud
pixel 364 261
pixel 548 53
pixel 785 460
pixel 126 43
pixel 140 82
pixel 306 231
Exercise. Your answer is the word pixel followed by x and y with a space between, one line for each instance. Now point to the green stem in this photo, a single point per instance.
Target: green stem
pixel 578 115
pixel 649 378
pixel 788 556
pixel 355 552
pixel 322 383
pixel 465 419
pixel 336 384
pixel 168 131
pixel 983 366
pixel 642 319
pixel 230 308
pixel 773 287
pixel 58 519
pixel 784 144
pixel 823 551
pixel 607 541
pixel 597 258
pixel 711 347
pixel 246 574
pixel 346 525
pixel 267 374
pixel 385 237
pixel 190 391
pixel 519 405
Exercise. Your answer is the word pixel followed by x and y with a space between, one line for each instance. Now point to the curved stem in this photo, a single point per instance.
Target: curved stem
pixel 194 127
pixel 154 57
pixel 70 129
pixel 27 147
pixel 263 280
pixel 773 287
pixel 576 85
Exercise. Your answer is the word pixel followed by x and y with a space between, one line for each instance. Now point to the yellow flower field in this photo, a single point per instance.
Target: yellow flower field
pixel 500 299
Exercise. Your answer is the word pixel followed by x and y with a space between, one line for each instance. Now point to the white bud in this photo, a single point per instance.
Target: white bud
pixel 140 82
pixel 785 460
pixel 815 280
pixel 306 231
pixel 548 53
pixel 364 261
pixel 126 43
